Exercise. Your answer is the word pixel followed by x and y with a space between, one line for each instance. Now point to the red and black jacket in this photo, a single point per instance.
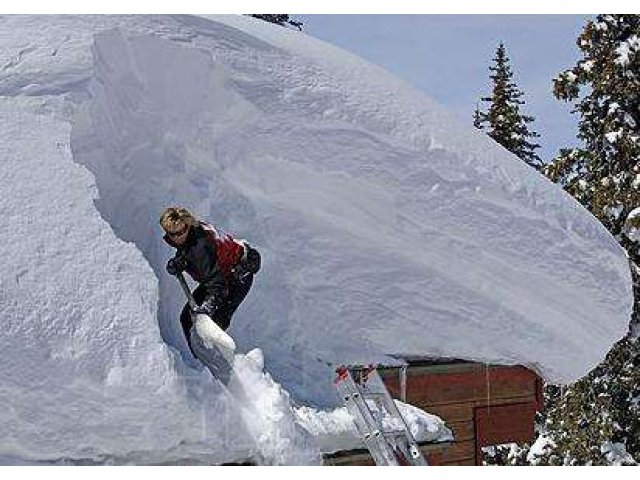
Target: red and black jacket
pixel 209 257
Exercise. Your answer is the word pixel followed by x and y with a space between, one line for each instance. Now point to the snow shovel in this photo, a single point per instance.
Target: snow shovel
pixel 212 345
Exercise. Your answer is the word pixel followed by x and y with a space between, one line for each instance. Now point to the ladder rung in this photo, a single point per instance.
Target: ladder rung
pixel 367 394
pixel 394 433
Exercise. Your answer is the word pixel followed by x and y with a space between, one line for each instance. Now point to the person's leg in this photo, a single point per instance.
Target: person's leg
pixel 237 293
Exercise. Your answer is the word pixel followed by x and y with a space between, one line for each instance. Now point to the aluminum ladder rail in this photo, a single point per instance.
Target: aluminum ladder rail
pixel 361 388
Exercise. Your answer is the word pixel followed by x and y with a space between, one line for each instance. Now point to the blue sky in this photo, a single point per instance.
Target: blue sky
pixel 448 58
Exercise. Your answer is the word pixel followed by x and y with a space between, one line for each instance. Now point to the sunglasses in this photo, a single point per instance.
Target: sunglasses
pixel 179 233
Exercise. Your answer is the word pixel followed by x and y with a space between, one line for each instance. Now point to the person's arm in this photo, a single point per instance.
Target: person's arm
pixel 211 277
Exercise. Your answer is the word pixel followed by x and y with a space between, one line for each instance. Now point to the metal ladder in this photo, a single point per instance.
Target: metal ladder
pixel 384 431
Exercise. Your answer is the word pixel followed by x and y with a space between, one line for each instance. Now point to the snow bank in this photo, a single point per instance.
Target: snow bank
pixel 84 371
pixel 335 430
pixel 385 228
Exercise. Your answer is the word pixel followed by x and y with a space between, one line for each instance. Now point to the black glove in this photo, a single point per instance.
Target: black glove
pixel 249 265
pixel 208 307
pixel 253 260
pixel 176 265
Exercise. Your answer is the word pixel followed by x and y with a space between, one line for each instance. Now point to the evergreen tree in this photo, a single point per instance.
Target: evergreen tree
pixel 597 419
pixel 278 18
pixel 604 174
pixel 504 121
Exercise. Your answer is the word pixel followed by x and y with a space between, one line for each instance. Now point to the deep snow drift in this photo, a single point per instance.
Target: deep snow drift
pixel 385 227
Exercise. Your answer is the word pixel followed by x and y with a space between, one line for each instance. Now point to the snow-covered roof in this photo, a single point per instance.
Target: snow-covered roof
pixel 385 226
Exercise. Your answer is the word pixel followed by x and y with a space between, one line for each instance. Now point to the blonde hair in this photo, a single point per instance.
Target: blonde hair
pixel 174 219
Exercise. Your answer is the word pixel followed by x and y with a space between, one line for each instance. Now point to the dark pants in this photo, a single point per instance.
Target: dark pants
pixel 237 292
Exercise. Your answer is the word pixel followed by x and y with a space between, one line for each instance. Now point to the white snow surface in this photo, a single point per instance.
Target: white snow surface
pixel 630 229
pixel 386 228
pixel 616 454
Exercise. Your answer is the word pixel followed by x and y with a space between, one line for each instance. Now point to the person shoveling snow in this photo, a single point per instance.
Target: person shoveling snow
pixel 223 267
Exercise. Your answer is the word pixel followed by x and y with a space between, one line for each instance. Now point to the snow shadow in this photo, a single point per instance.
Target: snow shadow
pixel 149 135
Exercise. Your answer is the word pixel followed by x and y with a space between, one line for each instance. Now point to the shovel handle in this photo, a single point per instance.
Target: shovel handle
pixel 183 283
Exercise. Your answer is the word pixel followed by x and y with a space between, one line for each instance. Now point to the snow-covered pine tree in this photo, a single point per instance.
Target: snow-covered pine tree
pixel 597 419
pixel 503 121
pixel 604 174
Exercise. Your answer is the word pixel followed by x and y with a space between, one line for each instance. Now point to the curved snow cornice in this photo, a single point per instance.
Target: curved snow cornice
pixel 448 244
